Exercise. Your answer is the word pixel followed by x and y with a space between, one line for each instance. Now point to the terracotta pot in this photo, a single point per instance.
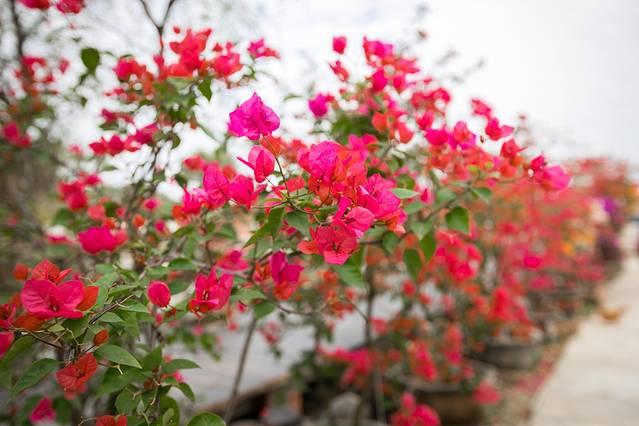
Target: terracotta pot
pixel 513 354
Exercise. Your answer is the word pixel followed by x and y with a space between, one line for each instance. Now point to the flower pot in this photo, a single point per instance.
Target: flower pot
pixel 453 402
pixel 342 422
pixel 513 354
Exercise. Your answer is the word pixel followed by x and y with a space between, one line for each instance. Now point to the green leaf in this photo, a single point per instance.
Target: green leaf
pixel 179 364
pixel 403 193
pixel 351 271
pixel 389 242
pixel 445 195
pixel 263 309
pixel 117 355
pixel 457 219
pixel 17 348
pixel 206 419
pixel 153 359
pixel 34 374
pixel 114 381
pixel 274 222
pixel 421 228
pixel 110 317
pixel 186 391
pixel 299 221
pixel 126 402
pixel 205 88
pixel 413 263
pixel 482 193
pixel 182 264
pixel 90 58
pixel 246 295
pixel 428 245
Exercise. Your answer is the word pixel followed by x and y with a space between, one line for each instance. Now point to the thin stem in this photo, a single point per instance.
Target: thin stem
pixel 230 408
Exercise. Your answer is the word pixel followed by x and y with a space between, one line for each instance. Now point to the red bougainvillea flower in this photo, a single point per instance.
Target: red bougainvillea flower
pixel 100 238
pixel 43 412
pixel 89 297
pixel 486 393
pixel 20 272
pixel 261 161
pixel 159 294
pixel 253 119
pixel 70 6
pixel 413 414
pixel 211 293
pixel 46 270
pixel 495 131
pixel 6 339
pixel 46 300
pixel 74 377
pixel 36 4
pixel 285 275
pixel 339 44
pixel 232 261
pixel 111 421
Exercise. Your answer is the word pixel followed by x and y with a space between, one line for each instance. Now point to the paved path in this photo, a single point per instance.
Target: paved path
pixel 596 382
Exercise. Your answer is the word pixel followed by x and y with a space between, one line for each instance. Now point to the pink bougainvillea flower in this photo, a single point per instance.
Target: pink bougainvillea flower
pixel 437 137
pixel 233 261
pixel 495 131
pixel 100 238
pixel 358 220
pixel 339 44
pixel 216 185
pixel 243 191
pixel 481 109
pixel 74 377
pixel 259 49
pixel 334 242
pixel 462 137
pixel 319 104
pixel 6 339
pixel 159 294
pixel 285 275
pixel 211 293
pixel 261 161
pixel 412 414
pixel 253 119
pixel 46 300
pixel 378 80
pixel 486 393
pixel 43 412
pixel 553 178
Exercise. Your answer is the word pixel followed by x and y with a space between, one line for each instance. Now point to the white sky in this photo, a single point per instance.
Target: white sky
pixel 570 65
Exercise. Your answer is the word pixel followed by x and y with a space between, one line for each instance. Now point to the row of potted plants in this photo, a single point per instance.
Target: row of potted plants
pixel 460 222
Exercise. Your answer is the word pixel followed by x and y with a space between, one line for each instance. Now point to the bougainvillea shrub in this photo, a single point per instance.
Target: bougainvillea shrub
pixel 386 196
